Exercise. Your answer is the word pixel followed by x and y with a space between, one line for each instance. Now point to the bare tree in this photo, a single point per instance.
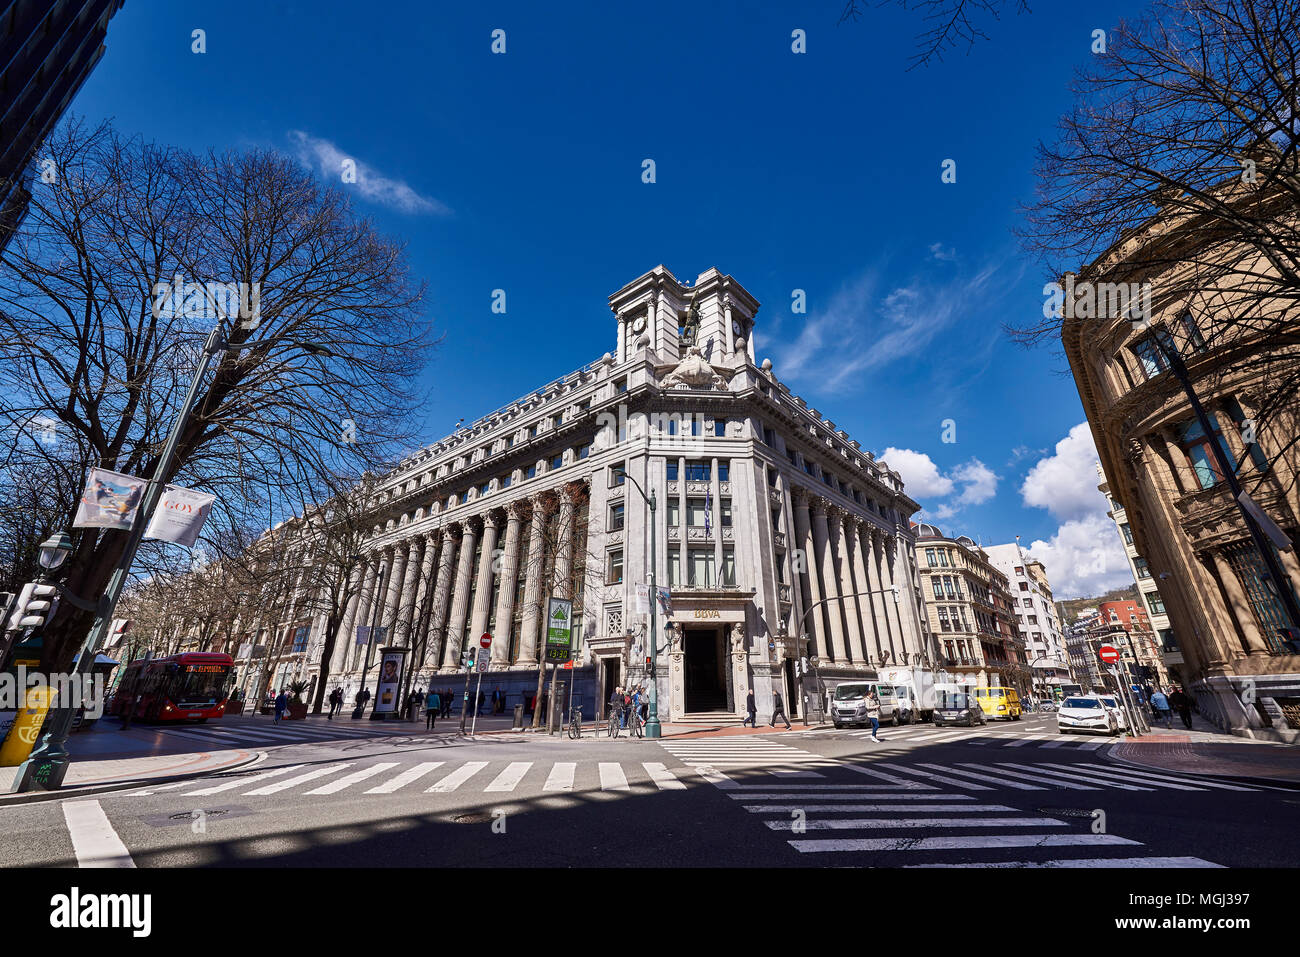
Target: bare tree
pixel 948 23
pixel 100 329
pixel 1178 166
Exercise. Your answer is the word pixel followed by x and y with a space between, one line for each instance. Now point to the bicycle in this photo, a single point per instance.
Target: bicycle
pixel 614 723
pixel 636 724
pixel 575 724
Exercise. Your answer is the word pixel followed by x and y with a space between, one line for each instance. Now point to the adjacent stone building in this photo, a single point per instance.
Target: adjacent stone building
pixel 1036 615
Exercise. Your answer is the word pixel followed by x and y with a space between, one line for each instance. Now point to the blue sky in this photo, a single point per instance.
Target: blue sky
pixel 817 171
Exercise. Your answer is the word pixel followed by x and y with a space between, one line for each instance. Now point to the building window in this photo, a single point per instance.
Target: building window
pixel 943 619
pixel 670 471
pixel 559 420
pixel 937 585
pixel 532 431
pixel 620 386
pixel 617 474
pixel 1195 341
pixel 769 437
pixel 698 471
pixel 674 569
pixel 674 513
pixel 1150 356
pixel 616 517
pixel 531 472
pixel 947 584
pixel 557 462
pixel 584 451
pixel 930 560
pixel 700 566
pixel 300 635
pixel 1028 602
pixel 1200 456
pixel 464 496
pixel 1126 530
pixel 1024 586
pixel 724 512
pixel 695 512
pixel 724 470
pixel 728 566
pixel 614 567
pixel 1143 569
pixel 505 481
pixel 1155 602
pixel 484 488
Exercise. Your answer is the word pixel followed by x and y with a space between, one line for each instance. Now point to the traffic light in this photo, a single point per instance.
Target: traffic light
pixel 35 606
pixel 647 662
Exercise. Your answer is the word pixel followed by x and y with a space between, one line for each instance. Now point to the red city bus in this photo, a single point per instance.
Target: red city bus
pixel 188 687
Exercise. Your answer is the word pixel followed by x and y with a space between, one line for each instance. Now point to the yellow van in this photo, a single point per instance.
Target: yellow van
pixel 999 703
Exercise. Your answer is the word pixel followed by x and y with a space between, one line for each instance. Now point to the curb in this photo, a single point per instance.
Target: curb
pixel 1283 783
pixel 34 797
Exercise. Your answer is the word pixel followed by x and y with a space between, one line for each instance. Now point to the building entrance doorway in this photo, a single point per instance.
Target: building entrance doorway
pixel 706 688
pixel 610 682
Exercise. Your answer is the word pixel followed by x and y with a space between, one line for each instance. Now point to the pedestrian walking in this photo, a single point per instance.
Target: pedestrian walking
pixel 433 705
pixel 1160 708
pixel 778 711
pixel 873 714
pixel 1183 705
pixel 281 704
pixel 751 709
pixel 362 697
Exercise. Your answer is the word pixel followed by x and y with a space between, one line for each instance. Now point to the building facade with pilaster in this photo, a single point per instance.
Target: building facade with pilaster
pixel 775 534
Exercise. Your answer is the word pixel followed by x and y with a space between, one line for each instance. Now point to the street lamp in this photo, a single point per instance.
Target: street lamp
pixel 54 551
pixel 652 727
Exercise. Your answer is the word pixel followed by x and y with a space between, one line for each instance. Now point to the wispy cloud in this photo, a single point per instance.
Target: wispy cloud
pixel 942 253
pixel 328 161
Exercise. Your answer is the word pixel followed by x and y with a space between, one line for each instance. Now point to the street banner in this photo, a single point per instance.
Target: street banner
pixel 363 634
pixel 665 602
pixel 390 680
pixel 110 500
pixel 642 606
pixel 559 631
pixel 180 515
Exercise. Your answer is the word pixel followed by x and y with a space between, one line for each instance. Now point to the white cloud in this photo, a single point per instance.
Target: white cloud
pixel 1084 558
pixel 942 253
pixel 923 480
pixel 1066 483
pixel 327 160
pixel 921 476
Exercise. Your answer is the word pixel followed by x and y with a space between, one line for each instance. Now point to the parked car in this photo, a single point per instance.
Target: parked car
pixel 1085 714
pixel 999 702
pixel 1117 709
pixel 958 708
pixel 1047 705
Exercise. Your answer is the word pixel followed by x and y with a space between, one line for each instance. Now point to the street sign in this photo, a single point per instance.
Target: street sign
pixel 1108 654
pixel 559 631
pixel 481 664
pixel 485 640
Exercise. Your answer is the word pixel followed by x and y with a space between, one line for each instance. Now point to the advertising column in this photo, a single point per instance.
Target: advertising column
pixel 388 693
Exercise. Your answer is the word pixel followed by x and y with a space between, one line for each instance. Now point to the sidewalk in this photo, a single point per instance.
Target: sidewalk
pixel 91 776
pixel 1209 751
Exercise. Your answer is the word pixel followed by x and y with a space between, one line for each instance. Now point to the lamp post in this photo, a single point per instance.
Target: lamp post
pixel 45 768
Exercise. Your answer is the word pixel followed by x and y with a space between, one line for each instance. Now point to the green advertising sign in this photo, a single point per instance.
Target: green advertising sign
pixel 559 631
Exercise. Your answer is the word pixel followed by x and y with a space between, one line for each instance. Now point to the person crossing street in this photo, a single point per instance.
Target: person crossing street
pixel 778 711
pixel 433 706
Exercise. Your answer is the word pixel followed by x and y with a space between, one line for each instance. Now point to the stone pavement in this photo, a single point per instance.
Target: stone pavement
pixel 1206 750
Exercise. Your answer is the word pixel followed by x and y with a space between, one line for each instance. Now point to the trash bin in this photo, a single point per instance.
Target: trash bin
pixel 519 717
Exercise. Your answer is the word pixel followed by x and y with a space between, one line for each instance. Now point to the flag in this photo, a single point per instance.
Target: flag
pixel 708 511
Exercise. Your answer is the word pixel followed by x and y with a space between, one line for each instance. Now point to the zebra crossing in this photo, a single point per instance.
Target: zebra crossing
pixel 270 734
pixel 980 737
pixel 1048 775
pixel 866 825
pixel 349 778
pixel 747 752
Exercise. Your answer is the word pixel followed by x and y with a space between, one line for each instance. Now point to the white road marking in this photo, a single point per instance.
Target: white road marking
pixel 300 779
pixel 458 777
pixel 1090 862
pixel 405 778
pixel 664 779
pixel 877 823
pixel 240 781
pixel 1072 773
pixel 967 842
pixel 612 777
pixel 94 841
pixel 969 785
pixel 1051 782
pixel 348 780
pixel 863 808
pixel 509 779
pixel 561 776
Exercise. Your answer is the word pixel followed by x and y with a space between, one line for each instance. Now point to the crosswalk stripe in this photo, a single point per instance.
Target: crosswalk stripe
pixel 1090 862
pixel 300 779
pixel 937 777
pixel 664 779
pixel 356 776
pixel 1055 744
pixel 881 823
pixel 458 777
pixel 561 777
pixel 405 778
pixel 1075 775
pixel 1200 782
pixel 1018 785
pixel 716 777
pixel 892 779
pixel 861 808
pixel 960 842
pixel 509 779
pixel 238 781
pixel 1092 745
pixel 1017 743
pixel 848 796
pixel 612 777
pixel 1052 782
pixel 1122 779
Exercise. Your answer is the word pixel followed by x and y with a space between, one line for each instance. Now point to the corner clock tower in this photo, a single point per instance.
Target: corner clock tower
pixel 659 312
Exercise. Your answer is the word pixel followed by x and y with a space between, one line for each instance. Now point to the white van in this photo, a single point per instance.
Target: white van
pixel 849 703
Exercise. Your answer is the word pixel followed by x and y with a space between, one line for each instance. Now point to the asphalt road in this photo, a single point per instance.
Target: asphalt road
pixel 1005 795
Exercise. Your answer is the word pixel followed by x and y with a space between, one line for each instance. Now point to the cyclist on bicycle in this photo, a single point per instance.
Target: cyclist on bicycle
pixel 616 706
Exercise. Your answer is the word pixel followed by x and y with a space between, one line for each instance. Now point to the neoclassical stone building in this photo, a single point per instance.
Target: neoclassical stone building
pixel 775 533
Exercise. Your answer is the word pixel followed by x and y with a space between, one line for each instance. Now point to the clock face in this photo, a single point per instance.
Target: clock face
pixel 639 325
pixel 735 326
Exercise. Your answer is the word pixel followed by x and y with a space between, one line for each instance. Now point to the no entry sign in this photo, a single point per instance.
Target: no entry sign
pixel 485 641
pixel 1108 654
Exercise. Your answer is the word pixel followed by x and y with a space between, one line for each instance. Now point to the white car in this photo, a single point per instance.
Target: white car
pixel 1085 714
pixel 1111 702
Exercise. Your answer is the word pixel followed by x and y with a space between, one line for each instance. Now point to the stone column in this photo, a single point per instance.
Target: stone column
pixel 347 635
pixel 505 610
pixel 807 582
pixel 1239 605
pixel 388 614
pixel 402 634
pixel 533 582
pixel 460 597
pixel 564 546
pixel 483 591
pixel 622 338
pixel 878 620
pixel 726 322
pixel 365 609
pixel 826 564
pixel 853 584
pixel 897 645
pixel 441 596
pixel 418 626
